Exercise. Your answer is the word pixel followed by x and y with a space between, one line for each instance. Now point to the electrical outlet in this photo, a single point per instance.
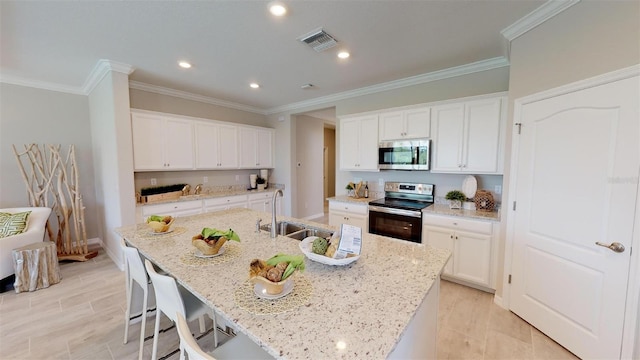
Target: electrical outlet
pixel 498 189
pixel 381 182
pixel 205 179
pixel 153 181
pixel 237 178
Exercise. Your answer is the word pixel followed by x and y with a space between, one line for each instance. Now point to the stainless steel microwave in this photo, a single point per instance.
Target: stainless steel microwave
pixel 404 154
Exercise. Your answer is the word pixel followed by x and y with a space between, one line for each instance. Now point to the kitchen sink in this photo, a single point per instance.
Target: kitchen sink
pixel 297 231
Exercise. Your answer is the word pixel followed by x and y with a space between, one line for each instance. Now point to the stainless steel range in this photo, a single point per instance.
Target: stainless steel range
pixel 399 213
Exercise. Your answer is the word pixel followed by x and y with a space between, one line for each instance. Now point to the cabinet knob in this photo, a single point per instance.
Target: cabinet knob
pixel 451 236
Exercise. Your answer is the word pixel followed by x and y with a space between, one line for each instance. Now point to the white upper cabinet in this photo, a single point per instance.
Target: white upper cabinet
pixel 359 143
pixel 405 124
pixel 468 137
pixel 256 147
pixel 161 142
pixel 216 146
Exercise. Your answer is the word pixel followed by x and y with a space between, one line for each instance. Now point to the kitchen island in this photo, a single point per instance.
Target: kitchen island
pixel 384 305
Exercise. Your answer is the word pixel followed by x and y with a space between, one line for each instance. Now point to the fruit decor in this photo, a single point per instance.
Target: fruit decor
pixel 210 240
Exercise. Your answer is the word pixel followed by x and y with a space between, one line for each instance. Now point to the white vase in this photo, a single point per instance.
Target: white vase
pixel 262 186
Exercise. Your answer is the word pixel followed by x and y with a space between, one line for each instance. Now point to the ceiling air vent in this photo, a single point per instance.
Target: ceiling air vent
pixel 319 40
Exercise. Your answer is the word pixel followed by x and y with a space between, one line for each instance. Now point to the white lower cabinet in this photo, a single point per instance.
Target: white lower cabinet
pixel 175 209
pixel 349 213
pixel 262 202
pixel 472 245
pixel 225 203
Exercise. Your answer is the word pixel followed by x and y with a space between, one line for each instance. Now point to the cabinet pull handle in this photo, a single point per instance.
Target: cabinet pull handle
pixel 451 236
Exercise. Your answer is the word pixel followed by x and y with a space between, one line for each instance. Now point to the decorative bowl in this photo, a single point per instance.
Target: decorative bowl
pixel 159 226
pixel 208 248
pixel 272 288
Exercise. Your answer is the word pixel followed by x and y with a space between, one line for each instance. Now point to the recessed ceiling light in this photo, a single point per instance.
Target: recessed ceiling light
pixel 184 64
pixel 343 54
pixel 277 9
pixel 254 85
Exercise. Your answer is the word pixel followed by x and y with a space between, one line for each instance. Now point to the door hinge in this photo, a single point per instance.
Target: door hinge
pixel 519 125
pixel 514 206
pixel 509 281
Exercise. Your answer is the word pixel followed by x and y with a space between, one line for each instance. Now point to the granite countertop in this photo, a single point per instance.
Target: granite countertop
pixel 211 195
pixel 351 199
pixel 349 304
pixel 442 209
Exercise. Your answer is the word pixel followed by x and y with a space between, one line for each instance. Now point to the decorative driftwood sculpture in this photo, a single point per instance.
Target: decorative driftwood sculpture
pixel 53 182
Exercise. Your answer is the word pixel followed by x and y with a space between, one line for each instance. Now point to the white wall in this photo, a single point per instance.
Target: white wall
pixel 30 115
pixel 309 167
pixel 113 154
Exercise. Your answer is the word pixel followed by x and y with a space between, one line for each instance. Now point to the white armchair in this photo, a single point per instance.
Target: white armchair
pixel 34 233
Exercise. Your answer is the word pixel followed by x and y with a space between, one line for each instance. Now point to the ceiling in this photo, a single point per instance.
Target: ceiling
pixel 233 43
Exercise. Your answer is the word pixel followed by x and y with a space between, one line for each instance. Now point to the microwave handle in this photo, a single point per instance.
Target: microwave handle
pixel 415 155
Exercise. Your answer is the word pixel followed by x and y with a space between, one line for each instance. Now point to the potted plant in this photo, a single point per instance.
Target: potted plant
pixel 455 198
pixel 349 189
pixel 261 182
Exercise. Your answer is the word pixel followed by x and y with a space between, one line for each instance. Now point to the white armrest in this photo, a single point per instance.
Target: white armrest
pixel 34 233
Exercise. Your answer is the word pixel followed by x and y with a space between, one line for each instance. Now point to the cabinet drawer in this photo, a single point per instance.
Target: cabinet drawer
pixel 225 200
pixel 260 196
pixel 160 209
pixel 481 227
pixel 348 207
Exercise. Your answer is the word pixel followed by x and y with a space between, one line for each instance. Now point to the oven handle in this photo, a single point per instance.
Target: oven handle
pixel 415 214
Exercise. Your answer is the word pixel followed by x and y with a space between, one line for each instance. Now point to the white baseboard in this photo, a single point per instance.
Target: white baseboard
pixel 98 241
pixel 498 301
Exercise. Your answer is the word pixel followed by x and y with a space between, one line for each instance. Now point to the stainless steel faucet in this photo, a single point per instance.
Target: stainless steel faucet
pixel 274 233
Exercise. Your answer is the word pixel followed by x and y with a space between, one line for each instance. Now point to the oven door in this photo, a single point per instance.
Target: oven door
pixel 396 223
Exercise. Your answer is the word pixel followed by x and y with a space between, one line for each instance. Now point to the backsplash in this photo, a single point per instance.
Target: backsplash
pixel 217 180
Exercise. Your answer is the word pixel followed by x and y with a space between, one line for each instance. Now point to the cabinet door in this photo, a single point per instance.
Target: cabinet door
pixel 148 138
pixel 472 257
pixel 417 123
pixel 227 147
pixel 360 221
pixel 391 126
pixel 368 144
pixel 448 125
pixel 349 135
pixel 482 136
pixel 336 218
pixel 206 141
pixel 178 147
pixel 264 152
pixel 441 238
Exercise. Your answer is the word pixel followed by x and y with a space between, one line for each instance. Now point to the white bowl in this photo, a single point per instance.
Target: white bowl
pixel 305 247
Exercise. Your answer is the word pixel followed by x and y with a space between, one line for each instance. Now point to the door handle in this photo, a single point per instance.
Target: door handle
pixel 615 246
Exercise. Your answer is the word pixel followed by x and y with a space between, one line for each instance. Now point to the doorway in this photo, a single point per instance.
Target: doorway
pixel 314 163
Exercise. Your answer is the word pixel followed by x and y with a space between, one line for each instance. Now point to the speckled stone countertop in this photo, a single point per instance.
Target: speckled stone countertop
pixel 441 209
pixel 212 195
pixel 350 199
pixel 367 304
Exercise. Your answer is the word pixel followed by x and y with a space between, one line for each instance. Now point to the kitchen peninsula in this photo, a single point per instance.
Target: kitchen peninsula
pixel 384 305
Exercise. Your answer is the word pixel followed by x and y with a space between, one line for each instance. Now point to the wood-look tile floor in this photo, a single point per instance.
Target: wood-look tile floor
pixel 82 317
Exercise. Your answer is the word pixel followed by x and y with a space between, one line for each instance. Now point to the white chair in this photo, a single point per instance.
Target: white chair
pixel 36 223
pixel 135 273
pixel 171 299
pixel 238 347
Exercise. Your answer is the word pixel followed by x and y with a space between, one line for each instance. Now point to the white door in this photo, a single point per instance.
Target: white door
pixel 227 146
pixel 417 123
pixel 178 143
pixel 576 184
pixel 482 136
pixel 349 136
pixel 206 136
pixel 448 125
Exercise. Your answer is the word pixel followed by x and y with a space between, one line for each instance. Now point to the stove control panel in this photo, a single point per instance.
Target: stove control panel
pixel 411 188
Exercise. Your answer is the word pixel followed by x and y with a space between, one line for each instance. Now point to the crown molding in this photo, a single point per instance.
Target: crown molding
pixel 543 13
pixel 194 97
pixel 475 67
pixel 102 68
pixel 15 80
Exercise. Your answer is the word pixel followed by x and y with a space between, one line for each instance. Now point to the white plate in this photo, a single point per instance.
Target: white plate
pixel 261 291
pixel 199 253
pixel 469 186
pixel 160 233
pixel 307 243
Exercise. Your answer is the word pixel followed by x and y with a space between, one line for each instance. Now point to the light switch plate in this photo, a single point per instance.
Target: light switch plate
pixel 153 181
pixel 206 179
pixel 498 189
